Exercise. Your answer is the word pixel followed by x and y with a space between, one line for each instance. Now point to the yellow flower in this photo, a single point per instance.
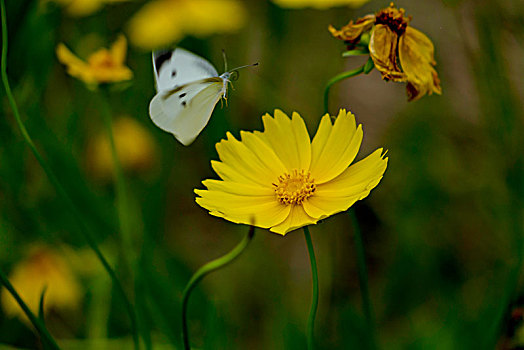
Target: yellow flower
pixel 103 66
pixel 279 179
pixel 43 268
pixel 134 145
pixel 400 52
pixel 163 22
pixel 319 4
pixel 80 8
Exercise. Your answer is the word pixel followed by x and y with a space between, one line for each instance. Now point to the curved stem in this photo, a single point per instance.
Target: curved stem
pixel 54 181
pixel 205 270
pixel 363 279
pixel 336 79
pixel 314 298
pixel 37 323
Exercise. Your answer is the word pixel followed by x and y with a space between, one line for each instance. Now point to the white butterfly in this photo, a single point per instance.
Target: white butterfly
pixel 188 89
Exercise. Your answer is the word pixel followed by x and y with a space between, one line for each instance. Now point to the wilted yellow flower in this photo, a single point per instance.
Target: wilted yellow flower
pixel 103 66
pixel 400 52
pixel 319 4
pixel 163 22
pixel 80 8
pixel 134 145
pixel 42 269
pixel 279 179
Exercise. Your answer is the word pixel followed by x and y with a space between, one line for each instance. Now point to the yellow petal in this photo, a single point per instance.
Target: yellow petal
pixel 119 49
pixel 242 159
pixel 303 142
pixel 238 188
pixel 280 134
pixel 297 218
pixel 340 148
pixel 74 65
pixel 232 203
pixel 320 139
pixel 229 173
pixel 416 53
pixel 353 184
pixel 261 213
pixel 383 51
pixel 265 154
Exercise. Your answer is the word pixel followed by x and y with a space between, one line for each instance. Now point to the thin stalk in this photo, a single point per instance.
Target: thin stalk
pixel 363 279
pixel 205 270
pixel 336 79
pixel 37 323
pixel 314 298
pixel 54 181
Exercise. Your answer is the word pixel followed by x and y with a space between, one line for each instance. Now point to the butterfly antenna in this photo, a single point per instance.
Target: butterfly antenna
pixel 225 59
pixel 247 65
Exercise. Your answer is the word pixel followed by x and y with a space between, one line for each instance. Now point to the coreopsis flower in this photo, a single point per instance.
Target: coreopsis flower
pixel 42 269
pixel 102 66
pixel 281 180
pixel 400 52
pixel 162 22
pixel 319 4
pixel 135 148
pixel 81 8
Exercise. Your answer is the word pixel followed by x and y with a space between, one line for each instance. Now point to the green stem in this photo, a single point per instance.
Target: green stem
pixel 54 181
pixel 363 279
pixel 42 330
pixel 336 79
pixel 205 270
pixel 314 298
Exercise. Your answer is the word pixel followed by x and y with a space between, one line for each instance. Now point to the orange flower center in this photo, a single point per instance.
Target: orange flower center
pixel 102 59
pixel 393 18
pixel 294 188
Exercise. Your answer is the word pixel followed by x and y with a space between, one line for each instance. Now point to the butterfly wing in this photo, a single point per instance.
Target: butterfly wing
pixel 185 111
pixel 179 67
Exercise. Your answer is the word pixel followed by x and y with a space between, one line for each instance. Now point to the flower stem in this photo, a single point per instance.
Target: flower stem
pixel 37 323
pixel 336 79
pixel 54 181
pixel 363 279
pixel 314 298
pixel 205 270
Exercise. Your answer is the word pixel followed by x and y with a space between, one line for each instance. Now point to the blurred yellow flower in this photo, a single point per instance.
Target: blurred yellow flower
pixel 134 145
pixel 319 4
pixel 81 8
pixel 279 179
pixel 163 22
pixel 103 66
pixel 400 52
pixel 43 268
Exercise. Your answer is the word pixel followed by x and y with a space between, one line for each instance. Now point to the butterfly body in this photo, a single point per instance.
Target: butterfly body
pixel 188 88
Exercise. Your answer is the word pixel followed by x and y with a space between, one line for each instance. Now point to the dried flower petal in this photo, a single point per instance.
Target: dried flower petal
pixel 416 56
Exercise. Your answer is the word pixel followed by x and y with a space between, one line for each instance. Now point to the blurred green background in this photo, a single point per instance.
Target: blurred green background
pixel 442 232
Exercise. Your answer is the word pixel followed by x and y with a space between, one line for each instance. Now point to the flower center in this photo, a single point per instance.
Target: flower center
pixel 102 59
pixel 294 188
pixel 393 18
